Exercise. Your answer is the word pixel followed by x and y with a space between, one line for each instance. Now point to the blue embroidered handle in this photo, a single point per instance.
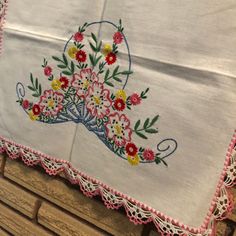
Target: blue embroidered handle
pixel 125 40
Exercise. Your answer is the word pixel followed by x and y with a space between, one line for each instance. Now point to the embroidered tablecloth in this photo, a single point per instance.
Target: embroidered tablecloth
pixel 134 101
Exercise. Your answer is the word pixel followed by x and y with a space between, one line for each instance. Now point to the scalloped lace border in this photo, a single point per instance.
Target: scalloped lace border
pixel 3 11
pixel 137 212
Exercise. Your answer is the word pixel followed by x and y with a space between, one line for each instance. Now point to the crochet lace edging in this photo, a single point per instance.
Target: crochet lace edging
pixel 3 11
pixel 137 212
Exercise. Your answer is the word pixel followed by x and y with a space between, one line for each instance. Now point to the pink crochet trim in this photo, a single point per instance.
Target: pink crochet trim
pixel 138 213
pixel 3 10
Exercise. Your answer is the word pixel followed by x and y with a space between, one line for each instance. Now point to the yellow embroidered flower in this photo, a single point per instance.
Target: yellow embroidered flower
pixel 121 94
pixel 32 116
pixel 133 160
pixel 72 52
pixel 106 49
pixel 56 84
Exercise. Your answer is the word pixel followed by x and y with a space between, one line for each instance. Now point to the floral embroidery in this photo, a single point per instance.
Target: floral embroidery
pixel 56 84
pixel 51 103
pixel 135 99
pixel 78 37
pixel 83 80
pixel 118 37
pixel 47 70
pixel 36 109
pixel 81 93
pixel 98 100
pixel 118 129
pixel 106 49
pixel 80 56
pixel 72 52
pixel 131 149
pixel 111 58
pixel 64 82
pixel 133 160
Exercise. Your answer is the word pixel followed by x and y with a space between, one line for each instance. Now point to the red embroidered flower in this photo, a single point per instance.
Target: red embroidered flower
pixel 118 37
pixel 78 37
pixel 135 99
pixel 119 104
pixel 47 70
pixel 81 56
pixel 64 82
pixel 25 104
pixel 111 58
pixel 148 155
pixel 36 109
pixel 131 149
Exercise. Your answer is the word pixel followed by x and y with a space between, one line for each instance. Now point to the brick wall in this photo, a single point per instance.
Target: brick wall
pixel 33 203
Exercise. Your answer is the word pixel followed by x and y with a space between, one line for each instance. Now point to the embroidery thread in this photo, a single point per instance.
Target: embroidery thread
pixel 84 92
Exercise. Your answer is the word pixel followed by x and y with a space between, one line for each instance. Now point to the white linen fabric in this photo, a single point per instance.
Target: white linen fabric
pixel 184 51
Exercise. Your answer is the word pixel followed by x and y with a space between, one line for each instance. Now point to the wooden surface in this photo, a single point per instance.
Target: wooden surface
pixel 33 203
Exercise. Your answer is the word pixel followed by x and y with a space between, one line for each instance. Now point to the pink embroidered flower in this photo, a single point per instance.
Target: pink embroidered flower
pixel 135 99
pixel 118 129
pixel 83 81
pixel 25 104
pixel 110 58
pixel 98 100
pixel 119 104
pixel 48 71
pixel 78 37
pixel 64 82
pixel 131 149
pixel 118 37
pixel 51 102
pixel 148 155
pixel 81 56
pixel 36 109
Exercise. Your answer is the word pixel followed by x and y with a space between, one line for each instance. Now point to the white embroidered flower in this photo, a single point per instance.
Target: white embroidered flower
pixel 51 102
pixel 118 129
pixel 98 100
pixel 82 81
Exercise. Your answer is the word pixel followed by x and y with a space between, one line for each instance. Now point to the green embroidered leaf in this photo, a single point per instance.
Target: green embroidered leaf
pixel 65 72
pixel 154 120
pixel 31 88
pixel 158 160
pixel 141 135
pixel 40 89
pixel 116 70
pixel 164 162
pixel 36 83
pixel 91 59
pixel 97 60
pixel 99 46
pixel 94 37
pixel 107 74
pixel 31 78
pixel 35 95
pixel 146 123
pixel 62 66
pixel 72 65
pixel 65 59
pixel 151 131
pixel 117 79
pixel 147 127
pixel 56 59
pixel 92 46
pixel 109 83
pixel 137 124
pixel 126 72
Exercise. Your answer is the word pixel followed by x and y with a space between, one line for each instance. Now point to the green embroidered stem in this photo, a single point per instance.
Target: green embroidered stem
pixel 147 127
pixel 114 76
pixel 36 86
pixel 65 65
